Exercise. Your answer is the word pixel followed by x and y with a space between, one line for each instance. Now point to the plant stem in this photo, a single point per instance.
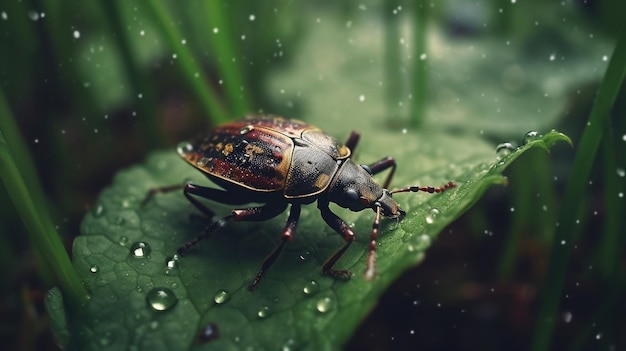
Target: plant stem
pixel 574 193
pixel 26 193
pixel 226 55
pixel 191 70
pixel 420 74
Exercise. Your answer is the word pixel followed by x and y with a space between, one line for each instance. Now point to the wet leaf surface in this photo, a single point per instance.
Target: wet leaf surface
pixel 143 298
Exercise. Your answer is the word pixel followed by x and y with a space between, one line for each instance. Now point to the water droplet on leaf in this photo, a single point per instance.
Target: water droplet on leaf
pixel 325 304
pixel 171 264
pixel 311 287
pixel 531 136
pixel 97 211
pixel 263 312
pixel 503 150
pixel 221 296
pixel 161 299
pixel 140 249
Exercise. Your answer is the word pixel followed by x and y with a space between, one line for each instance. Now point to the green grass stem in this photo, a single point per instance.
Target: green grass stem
pixel 19 178
pixel 574 195
pixel 136 77
pixel 420 73
pixel 191 70
pixel 393 77
pixel 227 56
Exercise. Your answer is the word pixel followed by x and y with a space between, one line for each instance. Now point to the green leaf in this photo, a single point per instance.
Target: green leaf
pixel 279 313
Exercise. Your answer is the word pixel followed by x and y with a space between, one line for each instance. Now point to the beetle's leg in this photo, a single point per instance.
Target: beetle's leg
pixel 342 228
pixel 162 190
pixel 381 165
pixel 246 214
pixel 428 189
pixel 286 236
pixel 370 271
pixel 206 234
pixel 353 140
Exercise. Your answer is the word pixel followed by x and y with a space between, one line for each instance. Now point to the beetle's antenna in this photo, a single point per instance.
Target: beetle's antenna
pixel 370 271
pixel 428 189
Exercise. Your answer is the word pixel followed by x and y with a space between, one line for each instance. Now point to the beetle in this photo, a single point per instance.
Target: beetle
pixel 282 162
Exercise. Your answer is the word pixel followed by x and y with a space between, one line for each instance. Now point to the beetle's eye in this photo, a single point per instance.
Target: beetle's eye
pixel 352 195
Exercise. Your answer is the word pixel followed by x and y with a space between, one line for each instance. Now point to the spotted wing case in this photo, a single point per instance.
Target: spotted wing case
pixel 267 154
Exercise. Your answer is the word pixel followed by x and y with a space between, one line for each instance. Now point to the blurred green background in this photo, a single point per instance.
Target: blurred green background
pixel 93 87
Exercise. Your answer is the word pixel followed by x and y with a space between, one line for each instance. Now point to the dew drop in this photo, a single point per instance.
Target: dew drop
pixel 76 34
pixel 263 312
pixel 184 148
pixel 567 317
pixel 123 241
pixel 33 15
pixel 140 249
pixel 305 255
pixel 503 150
pixel 531 136
pixel 172 263
pixel 311 287
pixel 221 296
pixel 209 332
pixel 621 172
pixel 246 129
pixel 251 18
pixel 203 161
pixel 97 211
pixel 325 304
pixel 161 299
pixel 94 268
pixel 361 98
pixel 288 345
pixel 430 218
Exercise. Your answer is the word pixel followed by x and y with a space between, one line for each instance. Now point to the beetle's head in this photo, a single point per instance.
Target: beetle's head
pixel 389 207
pixel 355 189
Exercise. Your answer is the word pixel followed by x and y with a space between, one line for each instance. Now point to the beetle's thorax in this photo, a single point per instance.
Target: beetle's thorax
pixel 354 188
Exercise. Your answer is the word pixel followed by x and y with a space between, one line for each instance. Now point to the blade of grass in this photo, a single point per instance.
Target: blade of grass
pixel 226 58
pixel 420 75
pixel 21 183
pixel 137 79
pixel 190 69
pixel 610 248
pixel 393 77
pixel 521 202
pixel 574 193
